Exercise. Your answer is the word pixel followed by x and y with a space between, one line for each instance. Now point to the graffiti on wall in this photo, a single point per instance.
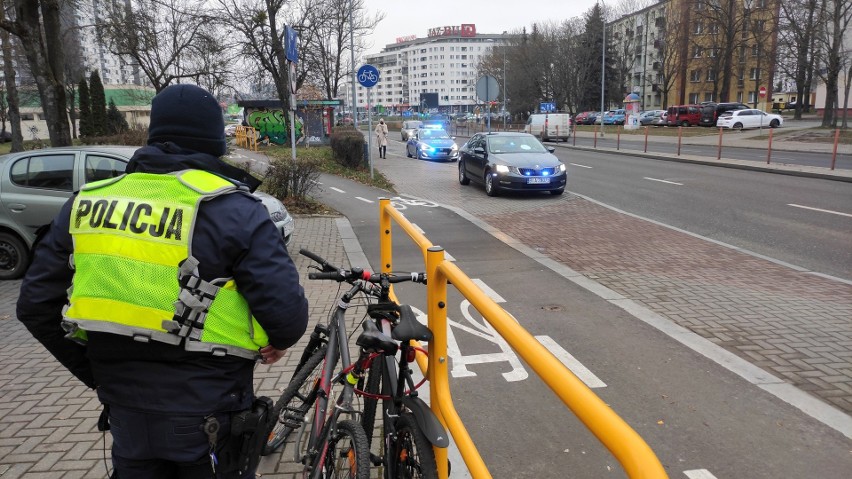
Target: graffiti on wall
pixel 275 124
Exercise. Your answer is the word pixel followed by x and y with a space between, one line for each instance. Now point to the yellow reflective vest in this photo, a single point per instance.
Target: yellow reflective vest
pixel 134 270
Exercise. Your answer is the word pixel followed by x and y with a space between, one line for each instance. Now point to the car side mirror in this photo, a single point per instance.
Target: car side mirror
pixel 479 150
pixel 551 148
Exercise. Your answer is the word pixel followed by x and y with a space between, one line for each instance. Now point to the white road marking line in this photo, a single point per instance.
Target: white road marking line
pixel 571 362
pixel 699 474
pixel 364 199
pixel 663 181
pixel 337 189
pixel 819 209
pixel 581 166
pixel 488 291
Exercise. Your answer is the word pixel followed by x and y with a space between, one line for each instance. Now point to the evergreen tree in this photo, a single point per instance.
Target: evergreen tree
pixel 115 120
pixel 98 98
pixel 85 109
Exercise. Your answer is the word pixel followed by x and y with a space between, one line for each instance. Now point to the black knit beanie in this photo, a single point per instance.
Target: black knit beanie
pixel 190 117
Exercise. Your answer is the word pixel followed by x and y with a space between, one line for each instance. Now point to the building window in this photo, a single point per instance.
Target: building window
pixel 696 52
pixel 759 25
pixel 713 28
pixel 711 75
pixel 755 50
pixel 751 97
pixel 695 76
pixel 755 74
pixel 698 28
pixel 710 96
pixel 693 97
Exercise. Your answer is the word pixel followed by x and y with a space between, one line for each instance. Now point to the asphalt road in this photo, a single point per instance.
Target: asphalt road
pixel 802 221
pixel 701 420
pixel 637 143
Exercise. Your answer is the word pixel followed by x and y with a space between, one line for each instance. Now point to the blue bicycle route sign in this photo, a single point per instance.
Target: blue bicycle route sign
pixel 368 76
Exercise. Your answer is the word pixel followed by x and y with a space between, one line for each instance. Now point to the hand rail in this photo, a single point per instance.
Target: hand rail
pixel 634 454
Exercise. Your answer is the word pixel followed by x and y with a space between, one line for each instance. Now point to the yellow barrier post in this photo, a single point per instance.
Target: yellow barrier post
pixel 637 458
pixel 439 378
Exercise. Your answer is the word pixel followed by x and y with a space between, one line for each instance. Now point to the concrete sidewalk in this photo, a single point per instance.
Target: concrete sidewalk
pixel 48 419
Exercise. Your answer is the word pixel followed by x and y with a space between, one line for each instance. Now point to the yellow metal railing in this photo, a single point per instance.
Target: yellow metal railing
pixel 634 454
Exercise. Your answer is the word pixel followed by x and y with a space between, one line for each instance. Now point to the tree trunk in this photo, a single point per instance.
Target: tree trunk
pixel 12 100
pixel 46 61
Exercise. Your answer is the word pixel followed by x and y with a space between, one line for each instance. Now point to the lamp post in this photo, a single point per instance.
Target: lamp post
pixel 603 66
pixel 354 103
pixel 505 80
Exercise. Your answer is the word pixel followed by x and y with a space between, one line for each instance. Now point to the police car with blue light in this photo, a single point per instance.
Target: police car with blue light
pixel 432 144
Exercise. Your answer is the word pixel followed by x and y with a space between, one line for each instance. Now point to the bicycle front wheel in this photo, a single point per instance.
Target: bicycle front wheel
pixel 348 454
pixel 412 452
pixel 295 401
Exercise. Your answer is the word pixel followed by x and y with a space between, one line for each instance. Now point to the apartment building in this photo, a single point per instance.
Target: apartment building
pixel 438 71
pixel 691 51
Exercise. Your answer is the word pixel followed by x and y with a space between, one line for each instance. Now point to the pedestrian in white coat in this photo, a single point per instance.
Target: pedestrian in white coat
pixel 382 138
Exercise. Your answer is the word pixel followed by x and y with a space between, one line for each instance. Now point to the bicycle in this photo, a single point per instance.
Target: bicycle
pixel 410 428
pixel 335 447
pixel 310 386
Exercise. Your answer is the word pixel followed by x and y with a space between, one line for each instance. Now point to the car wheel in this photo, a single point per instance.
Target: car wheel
pixel 738 126
pixel 490 187
pixel 14 257
pixel 463 179
pixel 407 152
pixel 774 124
pixel 685 123
pixel 557 192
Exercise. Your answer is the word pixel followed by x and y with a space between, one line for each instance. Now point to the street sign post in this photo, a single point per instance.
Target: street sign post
pixel 368 76
pixel 487 90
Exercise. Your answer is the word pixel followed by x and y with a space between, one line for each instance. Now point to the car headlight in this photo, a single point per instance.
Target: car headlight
pixel 425 147
pixel 455 147
pixel 501 168
pixel 561 167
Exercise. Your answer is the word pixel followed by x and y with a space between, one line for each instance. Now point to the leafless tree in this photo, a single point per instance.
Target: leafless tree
pixel 37 24
pixel 830 43
pixel 798 25
pixel 260 26
pixel 325 36
pixel 672 49
pixel 725 16
pixel 170 40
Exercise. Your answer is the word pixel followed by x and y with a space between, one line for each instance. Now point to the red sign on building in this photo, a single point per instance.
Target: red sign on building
pixel 463 30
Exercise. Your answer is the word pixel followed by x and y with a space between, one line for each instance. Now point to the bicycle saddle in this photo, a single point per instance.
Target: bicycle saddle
pixel 409 328
pixel 374 340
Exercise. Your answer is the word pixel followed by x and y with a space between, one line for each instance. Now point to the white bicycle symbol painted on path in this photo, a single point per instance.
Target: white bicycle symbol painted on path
pixel 403 203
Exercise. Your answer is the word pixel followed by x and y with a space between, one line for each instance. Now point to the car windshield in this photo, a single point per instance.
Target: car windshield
pixel 515 144
pixel 433 134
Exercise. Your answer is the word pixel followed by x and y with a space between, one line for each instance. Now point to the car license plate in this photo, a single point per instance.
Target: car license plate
pixel 537 181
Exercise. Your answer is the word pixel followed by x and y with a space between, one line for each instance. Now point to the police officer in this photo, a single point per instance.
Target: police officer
pixel 172 282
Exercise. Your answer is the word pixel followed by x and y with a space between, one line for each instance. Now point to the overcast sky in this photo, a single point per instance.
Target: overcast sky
pixel 415 17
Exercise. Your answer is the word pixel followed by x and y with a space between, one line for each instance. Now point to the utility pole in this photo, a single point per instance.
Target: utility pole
pixel 353 103
pixel 603 67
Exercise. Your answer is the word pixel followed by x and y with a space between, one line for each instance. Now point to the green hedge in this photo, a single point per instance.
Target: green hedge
pixel 347 146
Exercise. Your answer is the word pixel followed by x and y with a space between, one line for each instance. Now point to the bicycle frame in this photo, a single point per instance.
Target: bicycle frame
pixel 338 349
pixel 396 376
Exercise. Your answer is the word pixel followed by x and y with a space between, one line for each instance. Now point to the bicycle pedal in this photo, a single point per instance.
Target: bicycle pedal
pixel 376 459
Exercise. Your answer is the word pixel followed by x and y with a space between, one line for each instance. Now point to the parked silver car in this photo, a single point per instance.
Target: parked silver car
pixel 409 127
pixel 35 184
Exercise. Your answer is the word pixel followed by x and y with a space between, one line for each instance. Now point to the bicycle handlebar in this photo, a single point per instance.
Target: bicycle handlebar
pixel 340 275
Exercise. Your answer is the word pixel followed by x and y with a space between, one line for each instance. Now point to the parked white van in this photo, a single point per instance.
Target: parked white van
pixel 549 126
